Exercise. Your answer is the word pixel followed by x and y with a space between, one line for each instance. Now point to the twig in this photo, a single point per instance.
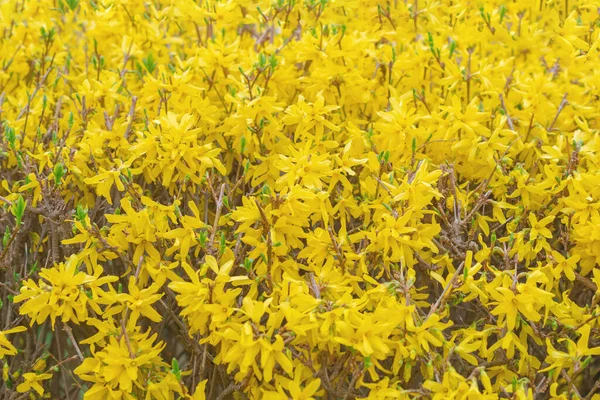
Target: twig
pixel 217 216
pixel 314 286
pixel 440 299
pixel 233 387
pixel 508 118
pixel 12 238
pixel 562 105
pixel 5 286
pixel 355 376
pixel 67 329
pixel 468 76
pixel 27 107
pixel 338 249
pixel 125 335
pixel 183 329
pixel 5 200
pixel 267 230
pixel 593 391
pixel 586 282
pixel 429 266
pixel 582 323
pixel 139 268
pixel 66 360
pixel 570 382
pixel 488 364
pixel 436 141
pixel 130 116
pixel 2 102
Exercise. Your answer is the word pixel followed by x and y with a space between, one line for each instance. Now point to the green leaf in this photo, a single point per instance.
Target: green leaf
pixel 203 237
pixel 222 244
pixel 72 4
pixel 503 11
pixel 9 133
pixel 6 237
pixel 59 172
pixel 242 144
pixel 149 63
pixel 34 268
pixel 175 368
pixel 273 61
pixel 452 47
pixel 248 264
pixel 430 42
pixel 262 60
pixel 81 213
pixel 18 209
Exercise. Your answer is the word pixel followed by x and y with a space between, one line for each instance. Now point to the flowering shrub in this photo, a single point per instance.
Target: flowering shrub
pixel 300 199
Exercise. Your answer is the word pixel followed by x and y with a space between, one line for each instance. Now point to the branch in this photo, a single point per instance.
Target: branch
pixel 67 329
pixel 586 282
pixel 217 216
pixel 562 105
pixel 508 118
pixel 233 387
pixel 130 116
pixel 439 300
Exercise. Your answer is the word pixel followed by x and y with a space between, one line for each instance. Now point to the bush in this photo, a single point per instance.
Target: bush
pixel 279 199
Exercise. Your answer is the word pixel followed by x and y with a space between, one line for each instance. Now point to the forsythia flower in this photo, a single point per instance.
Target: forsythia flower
pixel 32 381
pixel 63 292
pixel 120 365
pixel 300 199
pixel 6 348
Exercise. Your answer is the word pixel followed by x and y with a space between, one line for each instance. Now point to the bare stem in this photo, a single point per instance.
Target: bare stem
pixel 446 289
pixel 67 329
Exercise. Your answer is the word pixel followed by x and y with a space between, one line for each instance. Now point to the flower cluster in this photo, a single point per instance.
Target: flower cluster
pixel 300 199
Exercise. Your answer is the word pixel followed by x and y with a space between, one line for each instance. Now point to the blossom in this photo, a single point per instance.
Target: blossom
pixel 299 199
pixel 6 347
pixel 62 293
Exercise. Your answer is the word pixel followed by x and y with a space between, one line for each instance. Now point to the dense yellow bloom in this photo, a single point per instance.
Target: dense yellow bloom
pixel 63 292
pixel 121 365
pixel 300 199
pixel 171 151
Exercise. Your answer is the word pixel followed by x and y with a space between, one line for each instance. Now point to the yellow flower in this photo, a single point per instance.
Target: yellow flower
pixel 300 387
pixel 6 348
pixel 539 227
pixel 575 351
pixel 140 301
pixel 510 304
pixel 121 364
pixel 63 292
pixel 300 199
pixel 31 380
